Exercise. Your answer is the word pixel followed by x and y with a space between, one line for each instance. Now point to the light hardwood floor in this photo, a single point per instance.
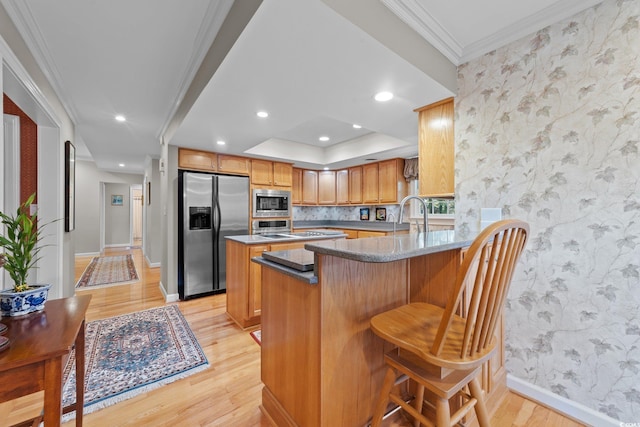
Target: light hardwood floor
pixel 226 394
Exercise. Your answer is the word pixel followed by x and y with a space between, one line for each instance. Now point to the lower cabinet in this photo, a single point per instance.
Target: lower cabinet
pixel 244 280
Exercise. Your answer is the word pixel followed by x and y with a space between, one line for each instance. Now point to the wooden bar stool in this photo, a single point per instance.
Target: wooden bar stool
pixel 443 349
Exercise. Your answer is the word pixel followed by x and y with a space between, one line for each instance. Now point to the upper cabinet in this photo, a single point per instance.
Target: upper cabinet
pixel 296 186
pixel 233 164
pixel 268 173
pixel 198 160
pixel 436 149
pixel 373 183
pixel 327 188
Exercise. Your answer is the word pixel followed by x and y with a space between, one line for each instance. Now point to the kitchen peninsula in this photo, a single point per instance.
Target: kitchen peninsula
pixel 321 364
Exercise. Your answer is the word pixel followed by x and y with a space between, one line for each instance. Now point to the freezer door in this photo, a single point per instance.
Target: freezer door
pixel 231 217
pixel 198 233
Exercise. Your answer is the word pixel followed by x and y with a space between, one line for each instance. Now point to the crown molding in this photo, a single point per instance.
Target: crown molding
pixel 422 22
pixel 210 25
pixel 526 26
pixel 22 18
pixel 413 13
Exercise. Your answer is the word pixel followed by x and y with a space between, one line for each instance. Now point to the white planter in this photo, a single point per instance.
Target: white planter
pixel 20 303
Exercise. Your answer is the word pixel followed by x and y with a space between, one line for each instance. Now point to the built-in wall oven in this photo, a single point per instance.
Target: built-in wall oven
pixel 266 226
pixel 271 203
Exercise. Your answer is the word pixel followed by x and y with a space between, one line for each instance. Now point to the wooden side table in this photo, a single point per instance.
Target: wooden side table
pixel 40 346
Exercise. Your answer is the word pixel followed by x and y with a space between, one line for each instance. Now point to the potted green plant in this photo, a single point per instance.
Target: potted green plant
pixel 21 248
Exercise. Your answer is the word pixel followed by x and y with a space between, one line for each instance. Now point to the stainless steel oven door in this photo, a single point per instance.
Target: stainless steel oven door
pixel 264 226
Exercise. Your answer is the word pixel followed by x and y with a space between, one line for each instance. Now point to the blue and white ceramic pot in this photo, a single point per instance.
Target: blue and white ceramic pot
pixel 25 302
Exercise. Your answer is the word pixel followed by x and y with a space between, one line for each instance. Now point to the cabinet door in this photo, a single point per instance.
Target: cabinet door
pixel 342 186
pixel 255 281
pixel 200 160
pixel 355 185
pixel 233 164
pixel 370 183
pixel 388 181
pixel 436 149
pixel 282 174
pixel 363 233
pixel 327 188
pixel 261 172
pixel 296 186
pixel 309 187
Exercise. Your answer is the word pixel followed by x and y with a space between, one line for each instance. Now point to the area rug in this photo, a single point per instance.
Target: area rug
pixel 257 336
pixel 132 354
pixel 108 271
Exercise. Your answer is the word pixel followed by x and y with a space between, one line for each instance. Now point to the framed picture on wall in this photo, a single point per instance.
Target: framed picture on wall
pixel 116 200
pixel 69 186
pixel 364 214
pixel 381 214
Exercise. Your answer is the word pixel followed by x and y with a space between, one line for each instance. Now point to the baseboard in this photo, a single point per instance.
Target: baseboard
pixel 168 297
pixel 560 404
pixel 152 264
pixel 118 245
pixel 88 254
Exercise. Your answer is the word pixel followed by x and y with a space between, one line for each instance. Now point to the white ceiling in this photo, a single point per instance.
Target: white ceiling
pixel 311 68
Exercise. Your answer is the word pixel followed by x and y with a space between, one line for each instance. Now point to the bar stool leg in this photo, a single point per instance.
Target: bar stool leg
pixel 383 398
pixel 418 403
pixel 480 407
pixel 443 414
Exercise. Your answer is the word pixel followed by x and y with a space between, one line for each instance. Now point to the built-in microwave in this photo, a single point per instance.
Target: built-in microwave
pixel 271 203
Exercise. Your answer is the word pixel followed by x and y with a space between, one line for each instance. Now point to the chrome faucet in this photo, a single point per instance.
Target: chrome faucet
pixel 425 220
pixel 391 214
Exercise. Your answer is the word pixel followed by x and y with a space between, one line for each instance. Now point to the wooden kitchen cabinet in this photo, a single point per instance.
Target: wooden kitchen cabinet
pixel 309 187
pixel 355 185
pixel 296 186
pixel 327 188
pixel 366 233
pixel 342 186
pixel 197 160
pixel 282 174
pixel 392 185
pixel 261 172
pixel 436 149
pixel 265 172
pixel 244 279
pixel 370 183
pixel 233 164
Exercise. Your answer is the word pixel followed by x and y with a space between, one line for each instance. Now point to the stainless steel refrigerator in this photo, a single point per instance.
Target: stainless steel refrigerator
pixel 210 207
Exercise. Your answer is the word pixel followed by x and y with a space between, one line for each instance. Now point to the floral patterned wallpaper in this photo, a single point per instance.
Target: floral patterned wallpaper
pixel 548 129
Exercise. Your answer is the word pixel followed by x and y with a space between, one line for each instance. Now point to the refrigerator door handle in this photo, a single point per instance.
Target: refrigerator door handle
pixel 217 223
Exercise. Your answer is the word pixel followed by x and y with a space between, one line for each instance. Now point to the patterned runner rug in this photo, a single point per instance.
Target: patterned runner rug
pixel 109 271
pixel 257 336
pixel 131 354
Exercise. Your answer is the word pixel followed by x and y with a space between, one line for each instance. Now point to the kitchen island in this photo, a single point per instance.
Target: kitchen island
pixel 321 364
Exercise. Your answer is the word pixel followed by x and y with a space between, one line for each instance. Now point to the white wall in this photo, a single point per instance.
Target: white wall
pixel 29 88
pixel 89 181
pixel 548 129
pixel 117 218
pixel 152 242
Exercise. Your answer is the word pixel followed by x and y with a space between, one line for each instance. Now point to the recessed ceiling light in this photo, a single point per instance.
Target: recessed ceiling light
pixel 383 96
pixel 324 138
pixel 355 126
pixel 121 118
pixel 219 142
pixel 121 165
pixel 326 168
pixel 262 114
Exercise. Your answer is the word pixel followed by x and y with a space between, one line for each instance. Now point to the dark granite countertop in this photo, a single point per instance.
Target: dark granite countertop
pixel 391 248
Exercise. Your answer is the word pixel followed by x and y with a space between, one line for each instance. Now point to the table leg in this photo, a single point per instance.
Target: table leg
pixel 53 391
pixel 80 364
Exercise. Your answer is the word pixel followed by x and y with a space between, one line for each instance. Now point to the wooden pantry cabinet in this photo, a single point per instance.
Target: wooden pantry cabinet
pixel 436 149
pixel 268 173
